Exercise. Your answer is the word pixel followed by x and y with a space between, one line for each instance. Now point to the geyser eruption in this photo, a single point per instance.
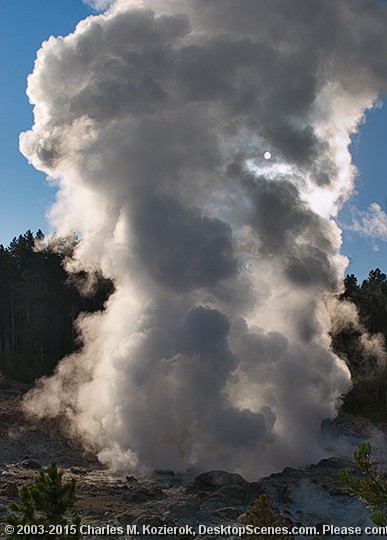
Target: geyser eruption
pixel 154 119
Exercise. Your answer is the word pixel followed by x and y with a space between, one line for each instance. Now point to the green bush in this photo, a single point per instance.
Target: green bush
pixel 45 503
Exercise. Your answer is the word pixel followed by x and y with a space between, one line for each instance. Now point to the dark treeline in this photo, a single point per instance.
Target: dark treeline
pixel 368 396
pixel 39 303
pixel 38 306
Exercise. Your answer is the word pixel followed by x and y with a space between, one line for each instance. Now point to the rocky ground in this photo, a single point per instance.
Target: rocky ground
pixel 312 496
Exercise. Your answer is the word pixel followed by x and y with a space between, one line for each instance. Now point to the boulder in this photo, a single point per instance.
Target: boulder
pixel 213 480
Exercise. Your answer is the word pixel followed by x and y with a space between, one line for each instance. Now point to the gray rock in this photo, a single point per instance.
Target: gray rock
pixel 143 493
pixel 315 496
pixel 28 463
pixel 10 489
pixel 227 513
pixel 181 510
pixel 235 495
pixel 213 480
pixel 214 502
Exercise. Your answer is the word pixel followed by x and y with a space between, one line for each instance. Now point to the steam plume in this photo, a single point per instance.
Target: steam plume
pixel 154 119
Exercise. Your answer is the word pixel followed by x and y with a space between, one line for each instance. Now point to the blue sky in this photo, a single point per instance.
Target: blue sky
pixel 25 194
pixel 25 24
pixel 369 151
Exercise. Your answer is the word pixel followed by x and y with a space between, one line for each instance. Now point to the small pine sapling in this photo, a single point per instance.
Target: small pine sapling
pixel 44 504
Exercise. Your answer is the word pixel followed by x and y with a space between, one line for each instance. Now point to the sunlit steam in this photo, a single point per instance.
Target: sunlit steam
pixel 156 119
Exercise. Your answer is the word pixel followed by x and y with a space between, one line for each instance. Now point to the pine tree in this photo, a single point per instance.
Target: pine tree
pixel 369 484
pixel 43 504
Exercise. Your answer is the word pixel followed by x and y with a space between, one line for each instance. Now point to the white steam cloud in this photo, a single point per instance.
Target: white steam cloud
pixel 154 119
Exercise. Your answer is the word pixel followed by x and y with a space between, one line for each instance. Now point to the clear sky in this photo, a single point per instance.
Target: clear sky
pixel 25 194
